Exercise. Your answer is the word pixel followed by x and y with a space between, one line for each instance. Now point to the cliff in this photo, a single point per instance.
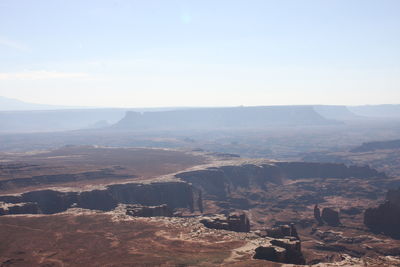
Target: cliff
pixel 220 183
pixel 386 217
pixel 174 194
pixel 231 187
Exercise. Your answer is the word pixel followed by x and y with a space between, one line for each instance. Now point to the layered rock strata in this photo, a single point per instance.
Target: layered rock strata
pixel 174 194
pixel 386 217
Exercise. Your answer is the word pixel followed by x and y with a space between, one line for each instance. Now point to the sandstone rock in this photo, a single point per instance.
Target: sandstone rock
pixel 174 194
pixel 270 253
pixel 149 211
pixel 239 222
pixel 293 250
pixel 282 231
pixel 330 216
pixel 317 215
pixel 328 236
pixel 281 250
pixel 386 217
pixel 233 222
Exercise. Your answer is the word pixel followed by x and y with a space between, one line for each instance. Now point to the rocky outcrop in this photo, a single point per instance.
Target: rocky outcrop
pixel 174 194
pixel 282 231
pixel 283 245
pixel 270 253
pixel 233 222
pixel 244 186
pixel 19 208
pixel 149 211
pixel 218 183
pixel 386 217
pixel 281 250
pixel 317 215
pixel 330 216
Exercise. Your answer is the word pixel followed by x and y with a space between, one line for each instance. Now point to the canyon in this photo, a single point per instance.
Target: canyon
pixel 268 204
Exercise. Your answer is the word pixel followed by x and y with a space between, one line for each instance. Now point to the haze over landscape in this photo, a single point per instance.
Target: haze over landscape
pixel 190 53
pixel 200 133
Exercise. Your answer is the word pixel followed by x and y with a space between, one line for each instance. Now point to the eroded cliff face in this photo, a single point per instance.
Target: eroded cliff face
pixel 230 187
pixel 219 183
pixel 174 194
pixel 242 186
pixel 386 217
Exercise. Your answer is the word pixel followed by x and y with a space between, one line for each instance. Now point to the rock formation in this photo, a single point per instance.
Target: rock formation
pixel 220 183
pixel 174 194
pixel 386 217
pixel 148 211
pixel 284 247
pixel 317 215
pixel 281 250
pixel 233 222
pixel 330 216
pixel 282 231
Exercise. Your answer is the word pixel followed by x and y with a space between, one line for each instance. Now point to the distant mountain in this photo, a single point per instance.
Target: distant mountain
pixel 222 118
pixel 10 104
pixel 341 113
pixel 57 120
pixel 376 111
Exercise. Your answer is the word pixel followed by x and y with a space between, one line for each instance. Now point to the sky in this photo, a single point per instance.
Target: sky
pixel 160 53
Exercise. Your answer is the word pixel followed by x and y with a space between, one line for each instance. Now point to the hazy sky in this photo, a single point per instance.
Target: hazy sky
pixel 200 53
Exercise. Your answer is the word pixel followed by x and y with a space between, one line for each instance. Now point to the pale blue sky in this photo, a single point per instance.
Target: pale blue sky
pixel 200 53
